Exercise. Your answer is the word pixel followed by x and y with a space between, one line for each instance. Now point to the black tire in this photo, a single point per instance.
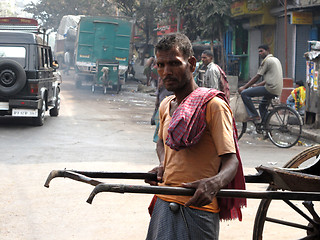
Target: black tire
pixel 266 219
pixel 241 128
pixel 284 127
pixel 39 121
pixel 12 77
pixel 54 112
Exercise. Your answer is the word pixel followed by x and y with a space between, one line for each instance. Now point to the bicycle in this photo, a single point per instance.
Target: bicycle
pixel 282 125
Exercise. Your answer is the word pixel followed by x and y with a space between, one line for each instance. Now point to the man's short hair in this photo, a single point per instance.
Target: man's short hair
pixel 265 47
pixel 173 40
pixel 208 53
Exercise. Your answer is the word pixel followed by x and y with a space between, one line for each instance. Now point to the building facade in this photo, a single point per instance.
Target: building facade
pixel 264 22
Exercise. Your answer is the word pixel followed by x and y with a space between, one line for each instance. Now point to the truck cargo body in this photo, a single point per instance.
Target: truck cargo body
pixel 102 39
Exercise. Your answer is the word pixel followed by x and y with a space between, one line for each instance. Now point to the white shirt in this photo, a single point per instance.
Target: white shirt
pixel 212 76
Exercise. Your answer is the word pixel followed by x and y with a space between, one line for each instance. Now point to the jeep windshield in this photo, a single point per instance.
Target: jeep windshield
pixel 17 54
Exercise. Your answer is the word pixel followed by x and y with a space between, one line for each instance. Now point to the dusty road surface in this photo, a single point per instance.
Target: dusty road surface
pixel 97 132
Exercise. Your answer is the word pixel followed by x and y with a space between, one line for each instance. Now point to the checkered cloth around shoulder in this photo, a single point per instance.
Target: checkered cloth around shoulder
pixel 224 84
pixel 188 120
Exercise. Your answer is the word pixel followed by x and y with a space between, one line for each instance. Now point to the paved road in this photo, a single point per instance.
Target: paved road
pixel 96 132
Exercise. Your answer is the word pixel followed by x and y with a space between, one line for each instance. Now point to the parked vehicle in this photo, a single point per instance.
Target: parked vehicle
pixel 65 39
pixel 102 52
pixel 29 85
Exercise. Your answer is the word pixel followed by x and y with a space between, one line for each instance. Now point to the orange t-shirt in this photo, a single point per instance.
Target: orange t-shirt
pixel 202 159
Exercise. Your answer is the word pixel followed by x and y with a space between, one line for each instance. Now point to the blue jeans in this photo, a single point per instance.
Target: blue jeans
pixel 259 91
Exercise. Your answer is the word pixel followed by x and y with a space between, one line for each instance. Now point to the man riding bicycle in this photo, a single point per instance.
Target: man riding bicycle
pixel 271 86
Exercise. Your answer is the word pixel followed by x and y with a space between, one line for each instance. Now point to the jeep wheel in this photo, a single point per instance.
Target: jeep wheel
pixel 54 112
pixel 38 121
pixel 12 77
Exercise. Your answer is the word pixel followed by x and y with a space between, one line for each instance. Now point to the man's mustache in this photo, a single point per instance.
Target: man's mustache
pixel 169 79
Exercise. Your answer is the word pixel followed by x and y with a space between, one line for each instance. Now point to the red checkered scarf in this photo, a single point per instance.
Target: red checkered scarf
pixel 186 128
pixel 188 120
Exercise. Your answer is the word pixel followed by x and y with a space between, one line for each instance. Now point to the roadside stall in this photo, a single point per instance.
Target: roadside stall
pixel 312 115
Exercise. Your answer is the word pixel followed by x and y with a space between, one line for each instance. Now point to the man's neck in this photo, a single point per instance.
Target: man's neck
pixel 267 55
pixel 208 64
pixel 180 95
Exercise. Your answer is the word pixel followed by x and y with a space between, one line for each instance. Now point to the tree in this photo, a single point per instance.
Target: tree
pixel 214 22
pixel 127 7
pixel 49 13
pixel 206 19
pixel 145 13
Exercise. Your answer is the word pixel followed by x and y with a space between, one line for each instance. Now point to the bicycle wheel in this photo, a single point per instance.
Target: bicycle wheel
pixel 294 222
pixel 284 127
pixel 241 128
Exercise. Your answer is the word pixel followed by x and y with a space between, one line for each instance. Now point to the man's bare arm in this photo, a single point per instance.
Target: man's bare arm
pixel 207 188
pixel 160 150
pixel 159 169
pixel 250 83
pixel 261 83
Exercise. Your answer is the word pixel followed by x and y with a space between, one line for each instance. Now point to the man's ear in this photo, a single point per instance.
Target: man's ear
pixel 193 62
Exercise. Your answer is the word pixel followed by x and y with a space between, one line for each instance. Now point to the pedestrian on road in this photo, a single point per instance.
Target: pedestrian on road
pixel 197 75
pixel 271 86
pixel 214 76
pixel 148 69
pixel 67 62
pixel 197 149
pixel 161 93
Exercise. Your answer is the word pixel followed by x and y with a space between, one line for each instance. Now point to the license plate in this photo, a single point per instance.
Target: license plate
pixel 17 112
pixel 4 106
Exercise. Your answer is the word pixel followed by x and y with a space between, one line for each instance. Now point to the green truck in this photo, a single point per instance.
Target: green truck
pixel 102 52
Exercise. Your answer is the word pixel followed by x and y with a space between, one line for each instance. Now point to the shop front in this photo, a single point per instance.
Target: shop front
pixel 312 85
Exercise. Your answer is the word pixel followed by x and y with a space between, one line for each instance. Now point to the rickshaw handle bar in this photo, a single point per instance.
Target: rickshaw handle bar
pixel 84 176
pixel 119 175
pixel 72 175
pixel 275 195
